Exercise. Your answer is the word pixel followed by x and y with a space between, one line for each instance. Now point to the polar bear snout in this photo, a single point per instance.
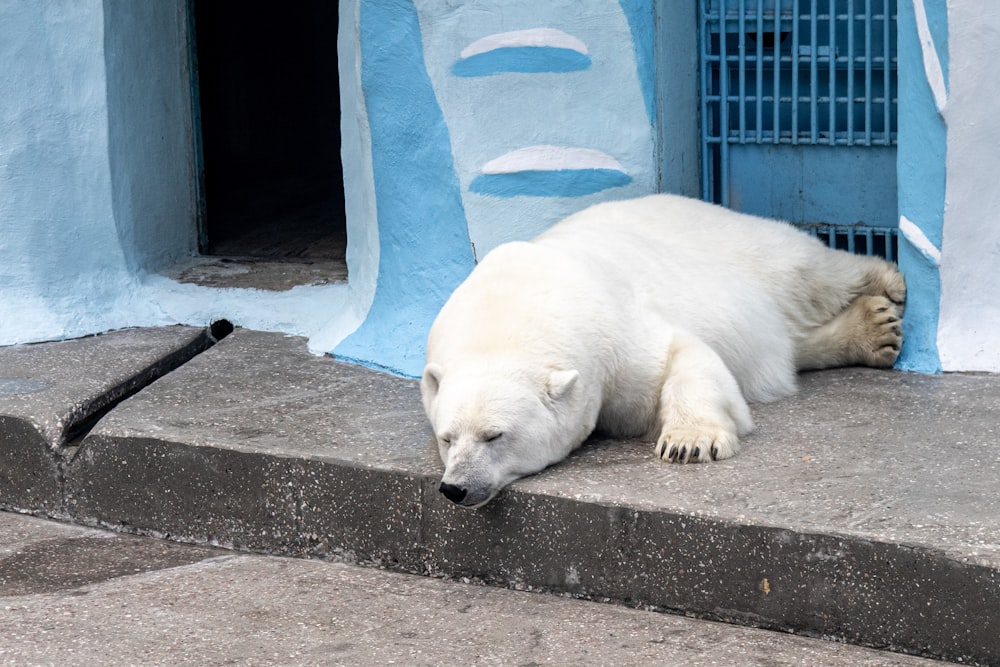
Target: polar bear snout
pixel 466 493
pixel 452 492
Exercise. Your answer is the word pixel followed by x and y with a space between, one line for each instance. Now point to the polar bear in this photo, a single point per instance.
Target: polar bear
pixel 658 317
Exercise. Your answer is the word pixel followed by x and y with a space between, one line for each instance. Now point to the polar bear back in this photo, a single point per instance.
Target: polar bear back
pixel 603 291
pixel 735 281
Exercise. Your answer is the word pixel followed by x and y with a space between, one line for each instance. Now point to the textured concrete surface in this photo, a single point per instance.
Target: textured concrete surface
pixel 156 603
pixel 38 557
pixel 50 392
pixel 275 275
pixel 863 509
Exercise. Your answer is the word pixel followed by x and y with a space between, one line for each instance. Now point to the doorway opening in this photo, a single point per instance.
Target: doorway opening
pixel 272 186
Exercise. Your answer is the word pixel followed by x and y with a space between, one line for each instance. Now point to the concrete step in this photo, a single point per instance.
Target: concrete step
pixel 52 393
pixel 140 601
pixel 865 509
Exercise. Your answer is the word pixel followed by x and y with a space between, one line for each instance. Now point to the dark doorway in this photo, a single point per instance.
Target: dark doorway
pixel 270 129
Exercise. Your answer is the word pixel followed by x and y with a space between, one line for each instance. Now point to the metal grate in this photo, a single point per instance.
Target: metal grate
pixel 793 91
pixel 881 241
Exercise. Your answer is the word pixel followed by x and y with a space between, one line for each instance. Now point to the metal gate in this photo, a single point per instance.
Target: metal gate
pixel 798 115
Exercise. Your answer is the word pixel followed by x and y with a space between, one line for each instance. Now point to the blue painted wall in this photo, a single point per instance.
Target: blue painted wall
pixel 423 235
pixel 488 123
pixel 921 181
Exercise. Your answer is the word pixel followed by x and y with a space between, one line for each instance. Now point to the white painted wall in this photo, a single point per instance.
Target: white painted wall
pixel 969 325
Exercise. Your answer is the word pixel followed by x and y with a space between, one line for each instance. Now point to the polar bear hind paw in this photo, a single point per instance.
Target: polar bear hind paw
pixel 880 331
pixel 692 445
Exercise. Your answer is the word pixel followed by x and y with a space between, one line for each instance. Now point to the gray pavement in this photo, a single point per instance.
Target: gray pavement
pixel 77 596
pixel 865 509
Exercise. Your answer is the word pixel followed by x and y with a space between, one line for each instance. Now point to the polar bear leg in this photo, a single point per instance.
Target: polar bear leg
pixel 887 281
pixel 702 412
pixel 867 333
pixel 845 275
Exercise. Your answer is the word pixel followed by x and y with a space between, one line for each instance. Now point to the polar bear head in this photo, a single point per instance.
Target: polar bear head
pixel 494 424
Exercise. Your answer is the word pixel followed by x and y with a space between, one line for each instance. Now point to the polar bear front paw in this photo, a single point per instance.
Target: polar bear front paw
pixel 693 445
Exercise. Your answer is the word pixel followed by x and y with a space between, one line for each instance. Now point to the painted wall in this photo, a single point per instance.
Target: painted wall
pixel 150 134
pixel 489 122
pixel 545 108
pixel 463 128
pixel 96 181
pixel 464 125
pixel 424 249
pixel 58 242
pixel 948 160
pixel 969 333
pixel 921 177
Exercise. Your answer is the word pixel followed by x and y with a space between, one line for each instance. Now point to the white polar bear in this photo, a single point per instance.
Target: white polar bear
pixel 656 317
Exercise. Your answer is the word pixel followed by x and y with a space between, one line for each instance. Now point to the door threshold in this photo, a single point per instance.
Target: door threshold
pixel 270 274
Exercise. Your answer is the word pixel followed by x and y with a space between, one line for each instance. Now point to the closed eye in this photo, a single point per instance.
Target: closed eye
pixel 492 437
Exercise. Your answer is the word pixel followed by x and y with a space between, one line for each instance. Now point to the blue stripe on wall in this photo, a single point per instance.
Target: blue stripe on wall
pixel 555 183
pixel 642 22
pixel 424 248
pixel 921 175
pixel 526 59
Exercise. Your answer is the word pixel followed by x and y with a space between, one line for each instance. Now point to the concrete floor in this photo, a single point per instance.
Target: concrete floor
pixel 862 509
pixel 77 596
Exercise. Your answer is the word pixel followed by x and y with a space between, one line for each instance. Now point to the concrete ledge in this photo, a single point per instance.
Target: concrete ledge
pixel 30 475
pixel 864 509
pixel 49 393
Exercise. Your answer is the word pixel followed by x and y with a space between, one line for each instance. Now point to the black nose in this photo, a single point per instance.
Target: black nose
pixel 452 492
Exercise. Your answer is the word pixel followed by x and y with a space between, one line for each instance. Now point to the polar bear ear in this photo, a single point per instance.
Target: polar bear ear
pixel 560 382
pixel 431 380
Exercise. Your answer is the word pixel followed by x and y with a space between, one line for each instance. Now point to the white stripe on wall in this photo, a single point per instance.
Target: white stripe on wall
pixel 919 240
pixel 932 66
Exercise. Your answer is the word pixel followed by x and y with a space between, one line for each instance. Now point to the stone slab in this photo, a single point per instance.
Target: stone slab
pixel 862 509
pixel 49 392
pixel 150 602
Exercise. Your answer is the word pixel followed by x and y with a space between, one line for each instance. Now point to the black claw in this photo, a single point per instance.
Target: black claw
pixel 684 450
pixel 673 453
pixel 715 453
pixel 696 453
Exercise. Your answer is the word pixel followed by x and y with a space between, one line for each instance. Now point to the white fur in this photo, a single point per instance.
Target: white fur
pixel 656 317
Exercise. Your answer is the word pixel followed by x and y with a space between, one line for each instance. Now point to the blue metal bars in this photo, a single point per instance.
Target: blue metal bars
pixel 794 72
pixel 859 239
pixel 798 115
